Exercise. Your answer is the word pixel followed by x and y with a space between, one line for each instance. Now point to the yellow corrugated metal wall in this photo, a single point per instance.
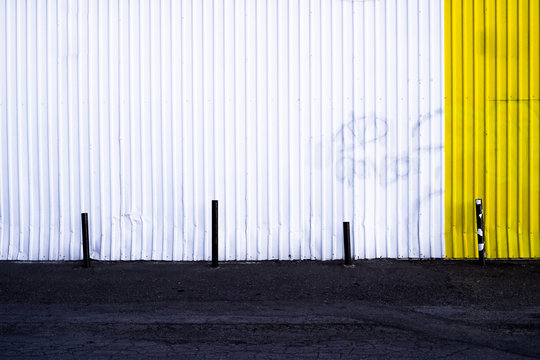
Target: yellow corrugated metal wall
pixel 492 131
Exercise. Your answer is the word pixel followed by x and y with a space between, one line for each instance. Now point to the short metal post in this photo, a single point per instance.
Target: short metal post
pixel 480 231
pixel 347 243
pixel 214 233
pixel 85 240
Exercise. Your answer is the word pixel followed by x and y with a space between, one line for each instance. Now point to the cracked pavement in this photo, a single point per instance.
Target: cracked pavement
pixel 271 310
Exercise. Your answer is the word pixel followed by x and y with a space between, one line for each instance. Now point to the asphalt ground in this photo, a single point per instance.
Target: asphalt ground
pixel 271 310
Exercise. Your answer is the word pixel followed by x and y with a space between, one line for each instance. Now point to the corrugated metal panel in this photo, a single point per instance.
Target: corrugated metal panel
pixel 296 115
pixel 492 52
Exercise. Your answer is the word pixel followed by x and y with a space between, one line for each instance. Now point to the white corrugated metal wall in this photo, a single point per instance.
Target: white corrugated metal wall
pixel 296 115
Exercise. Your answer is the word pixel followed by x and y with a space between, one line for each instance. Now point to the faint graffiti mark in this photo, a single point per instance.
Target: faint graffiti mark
pixel 357 160
pixel 362 130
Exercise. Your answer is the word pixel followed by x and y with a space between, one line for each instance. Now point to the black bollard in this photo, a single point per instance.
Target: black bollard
pixel 347 243
pixel 85 240
pixel 481 233
pixel 215 233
